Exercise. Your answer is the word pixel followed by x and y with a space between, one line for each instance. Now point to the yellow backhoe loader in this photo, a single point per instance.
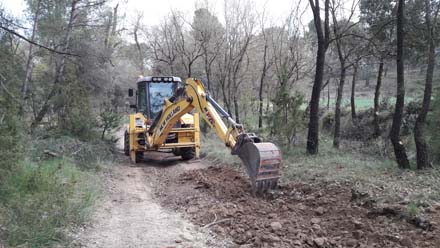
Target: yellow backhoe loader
pixel 164 122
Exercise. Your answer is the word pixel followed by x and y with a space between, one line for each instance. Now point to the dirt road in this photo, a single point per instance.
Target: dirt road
pixel 129 216
pixel 166 202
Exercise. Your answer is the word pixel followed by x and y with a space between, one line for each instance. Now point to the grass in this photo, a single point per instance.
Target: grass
pixel 43 198
pixel 214 149
pixel 362 103
pixel 40 201
pixel 378 176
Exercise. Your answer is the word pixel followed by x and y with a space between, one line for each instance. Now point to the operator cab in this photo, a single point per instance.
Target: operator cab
pixel 152 92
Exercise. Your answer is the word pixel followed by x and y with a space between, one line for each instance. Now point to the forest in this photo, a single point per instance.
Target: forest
pixel 347 89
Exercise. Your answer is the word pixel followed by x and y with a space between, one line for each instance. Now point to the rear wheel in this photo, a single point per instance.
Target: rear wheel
pixel 188 153
pixel 126 143
pixel 139 157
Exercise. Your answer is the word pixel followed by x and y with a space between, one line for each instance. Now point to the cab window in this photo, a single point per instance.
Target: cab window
pixel 141 97
pixel 158 92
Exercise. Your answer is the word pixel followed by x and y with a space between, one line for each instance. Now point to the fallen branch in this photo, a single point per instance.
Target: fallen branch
pixel 216 222
pixel 51 154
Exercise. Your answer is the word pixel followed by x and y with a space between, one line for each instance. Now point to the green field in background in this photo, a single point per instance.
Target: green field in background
pixel 362 103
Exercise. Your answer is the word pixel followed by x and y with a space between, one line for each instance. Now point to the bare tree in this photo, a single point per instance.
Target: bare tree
pixel 380 19
pixel 265 67
pixel 187 47
pixel 239 27
pixel 210 34
pixel 140 54
pixel 163 44
pixel 344 51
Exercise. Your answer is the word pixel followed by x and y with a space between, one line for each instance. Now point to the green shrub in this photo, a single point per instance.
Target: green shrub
pixel 287 117
pixel 412 110
pixel 110 115
pixel 75 114
pixel 86 155
pixel 10 139
pixel 38 202
pixel 328 121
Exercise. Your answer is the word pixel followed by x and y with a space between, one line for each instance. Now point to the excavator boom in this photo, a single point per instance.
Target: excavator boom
pixel 261 159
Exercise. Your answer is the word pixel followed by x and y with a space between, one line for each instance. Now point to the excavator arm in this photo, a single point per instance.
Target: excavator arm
pixel 261 159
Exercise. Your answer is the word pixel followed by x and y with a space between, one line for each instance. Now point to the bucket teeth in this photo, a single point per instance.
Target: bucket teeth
pixel 263 186
pixel 263 164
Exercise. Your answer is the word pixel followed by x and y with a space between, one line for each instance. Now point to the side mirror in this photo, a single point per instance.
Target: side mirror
pixel 130 92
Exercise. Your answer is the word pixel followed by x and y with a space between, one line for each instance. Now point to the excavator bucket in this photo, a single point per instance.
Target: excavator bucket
pixel 263 164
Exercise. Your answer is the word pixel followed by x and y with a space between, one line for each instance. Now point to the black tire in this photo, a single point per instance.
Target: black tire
pixel 188 153
pixel 139 157
pixel 126 143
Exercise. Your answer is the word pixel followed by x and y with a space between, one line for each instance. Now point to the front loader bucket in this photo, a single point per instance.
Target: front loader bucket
pixel 263 164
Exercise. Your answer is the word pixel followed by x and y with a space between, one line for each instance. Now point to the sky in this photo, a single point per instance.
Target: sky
pixel 155 10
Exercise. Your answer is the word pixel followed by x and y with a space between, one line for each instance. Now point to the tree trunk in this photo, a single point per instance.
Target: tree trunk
pixel 313 132
pixel 29 62
pixel 399 148
pixel 236 110
pixel 353 91
pixel 337 134
pixel 190 68
pixel 103 133
pixel 323 38
pixel 328 94
pixel 376 121
pixel 207 68
pixel 268 93
pixel 138 46
pixel 367 76
pixel 260 93
pixel 225 99
pixel 419 136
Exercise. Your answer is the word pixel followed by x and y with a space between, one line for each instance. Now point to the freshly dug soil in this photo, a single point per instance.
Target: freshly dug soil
pixel 295 215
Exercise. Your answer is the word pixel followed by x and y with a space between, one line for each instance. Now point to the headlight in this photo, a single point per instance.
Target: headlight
pixel 139 122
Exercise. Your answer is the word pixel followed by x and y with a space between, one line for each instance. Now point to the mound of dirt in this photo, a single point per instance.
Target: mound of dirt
pixel 296 215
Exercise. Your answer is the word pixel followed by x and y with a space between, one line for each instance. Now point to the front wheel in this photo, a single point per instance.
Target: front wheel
pixel 188 153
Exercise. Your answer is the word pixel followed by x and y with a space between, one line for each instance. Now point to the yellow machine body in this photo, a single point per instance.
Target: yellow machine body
pixel 188 137
pixel 261 159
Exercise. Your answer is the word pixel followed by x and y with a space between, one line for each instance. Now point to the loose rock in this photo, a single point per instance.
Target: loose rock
pixel 319 211
pixel 192 210
pixel 276 226
pixel 315 220
pixel 319 242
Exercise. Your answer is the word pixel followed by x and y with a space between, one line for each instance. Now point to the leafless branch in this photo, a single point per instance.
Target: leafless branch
pixel 35 43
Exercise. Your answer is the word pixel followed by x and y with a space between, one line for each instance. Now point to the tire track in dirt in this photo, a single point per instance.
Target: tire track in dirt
pixel 128 216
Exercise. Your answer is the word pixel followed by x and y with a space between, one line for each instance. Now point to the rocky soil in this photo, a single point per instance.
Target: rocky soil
pixel 295 215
